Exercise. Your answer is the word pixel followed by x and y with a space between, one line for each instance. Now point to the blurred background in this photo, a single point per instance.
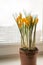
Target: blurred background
pixel 9 32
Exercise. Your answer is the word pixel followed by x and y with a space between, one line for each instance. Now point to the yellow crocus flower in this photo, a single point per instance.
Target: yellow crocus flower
pixel 20 25
pixel 24 20
pixel 19 18
pixel 36 20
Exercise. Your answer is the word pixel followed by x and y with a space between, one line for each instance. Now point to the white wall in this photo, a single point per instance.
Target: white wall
pixel 10 7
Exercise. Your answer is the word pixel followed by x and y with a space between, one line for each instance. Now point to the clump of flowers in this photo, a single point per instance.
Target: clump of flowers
pixel 27 27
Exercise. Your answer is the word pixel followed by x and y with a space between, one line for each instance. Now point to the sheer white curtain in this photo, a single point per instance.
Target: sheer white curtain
pixel 8 26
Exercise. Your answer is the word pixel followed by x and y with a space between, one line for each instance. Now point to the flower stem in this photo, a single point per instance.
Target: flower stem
pixel 30 38
pixel 34 36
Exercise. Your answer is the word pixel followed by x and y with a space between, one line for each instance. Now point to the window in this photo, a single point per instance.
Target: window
pixel 8 26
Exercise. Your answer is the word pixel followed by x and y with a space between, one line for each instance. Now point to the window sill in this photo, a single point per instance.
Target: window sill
pixel 8 49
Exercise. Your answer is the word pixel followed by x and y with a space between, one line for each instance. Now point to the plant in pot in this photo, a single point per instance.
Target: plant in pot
pixel 27 27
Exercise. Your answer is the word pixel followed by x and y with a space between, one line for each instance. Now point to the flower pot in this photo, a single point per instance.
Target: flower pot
pixel 28 57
